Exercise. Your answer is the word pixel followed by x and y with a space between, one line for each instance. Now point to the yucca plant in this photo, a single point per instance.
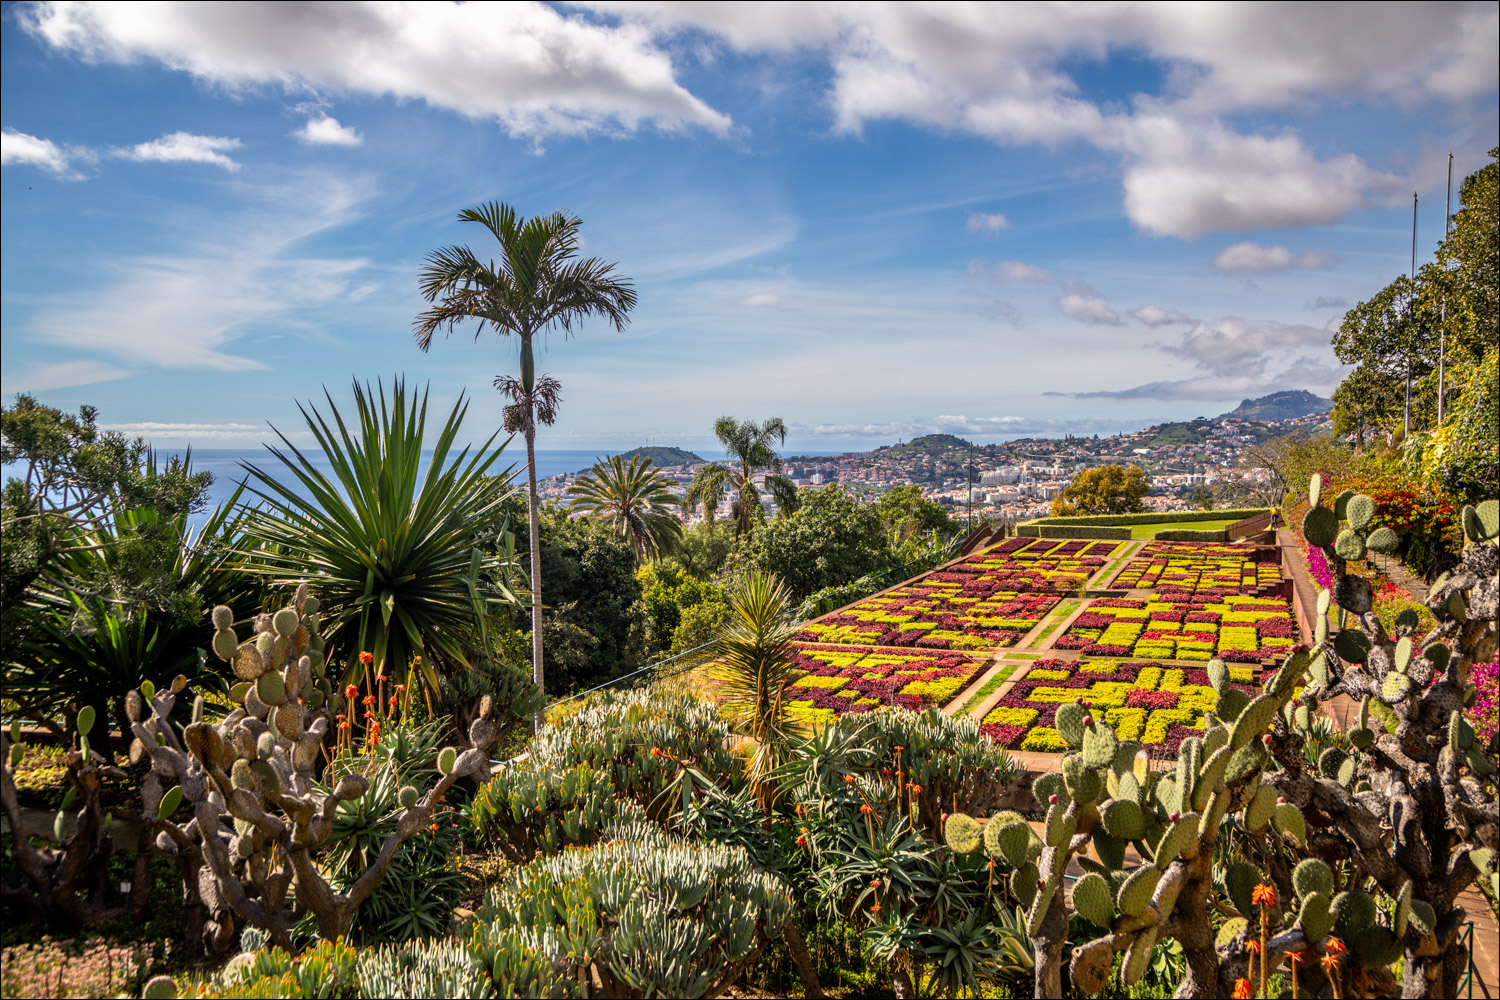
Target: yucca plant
pixel 400 546
pixel 755 667
pixel 634 502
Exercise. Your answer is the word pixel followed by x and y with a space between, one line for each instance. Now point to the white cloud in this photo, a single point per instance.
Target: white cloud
pixel 326 131
pixel 1232 345
pixel 1018 270
pixel 184 147
pixel 1088 307
pixel 61 375
pixel 1154 315
pixel 20 148
pixel 987 223
pixel 1186 180
pixel 761 300
pixel 1001 72
pixel 186 310
pixel 524 65
pixel 1256 259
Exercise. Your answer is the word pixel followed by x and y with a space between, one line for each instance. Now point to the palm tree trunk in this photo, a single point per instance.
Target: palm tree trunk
pixel 536 557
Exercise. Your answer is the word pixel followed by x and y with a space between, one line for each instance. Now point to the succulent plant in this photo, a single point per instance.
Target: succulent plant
pixel 65 883
pixel 258 811
pixel 1408 805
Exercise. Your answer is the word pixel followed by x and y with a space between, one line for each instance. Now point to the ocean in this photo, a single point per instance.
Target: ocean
pixel 225 464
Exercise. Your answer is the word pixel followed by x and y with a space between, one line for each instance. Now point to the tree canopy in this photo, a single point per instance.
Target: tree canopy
pixel 1108 489
pixel 830 539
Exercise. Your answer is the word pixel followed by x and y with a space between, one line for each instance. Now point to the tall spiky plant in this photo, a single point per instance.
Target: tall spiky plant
pixel 748 444
pixel 755 668
pixel 634 501
pixel 398 554
pixel 537 284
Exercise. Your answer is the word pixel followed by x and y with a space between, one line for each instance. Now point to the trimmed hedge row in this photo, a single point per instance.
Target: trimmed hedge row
pixel 1147 517
pixel 1189 535
pixel 1035 530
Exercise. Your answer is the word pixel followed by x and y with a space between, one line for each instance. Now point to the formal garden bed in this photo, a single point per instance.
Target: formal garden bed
pixel 1155 704
pixel 1237 629
pixel 1199 570
pixel 934 613
pixel 839 680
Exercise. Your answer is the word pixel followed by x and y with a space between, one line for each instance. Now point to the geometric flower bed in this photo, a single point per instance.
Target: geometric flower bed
pixel 1155 704
pixel 934 614
pixel 1033 564
pixel 839 680
pixel 1197 571
pixel 1236 629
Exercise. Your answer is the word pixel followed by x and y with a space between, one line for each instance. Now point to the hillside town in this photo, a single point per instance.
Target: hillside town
pixel 1018 479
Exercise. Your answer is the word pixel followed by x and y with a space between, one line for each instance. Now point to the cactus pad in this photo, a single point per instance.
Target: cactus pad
pixel 963 833
pixel 1122 818
pixel 1439 654
pixel 1394 687
pixel 1230 704
pixel 270 689
pixel 1487 514
pixel 1288 820
pixel 1310 876
pixel 408 796
pixel 1423 917
pixel 1254 719
pixel 1083 783
pixel 1383 540
pixel 1015 843
pixel 1210 776
pixel 1023 884
pixel 1359 512
pixel 1111 849
pixel 1403 910
pixel 1176 840
pixel 1091 898
pixel 1353 911
pixel 1320 527
pixel 1350 545
pixel 284 621
pixel 1329 762
pixel 1218 675
pixel 1315 489
pixel 1341 504
pixel 1135 894
pixel 1315 918
pixel 446 758
pixel 225 644
pixel 1037 912
pixel 160 988
pixel 1229 932
pixel 1060 827
pixel 1069 722
pixel 1377 947
pixel 1352 645
pixel 998 822
pixel 1138 956
pixel 1099 746
pixel 1240 882
pixel 1044 786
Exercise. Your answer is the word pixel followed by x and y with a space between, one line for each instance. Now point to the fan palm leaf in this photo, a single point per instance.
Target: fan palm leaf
pixel 634 501
pixel 748 445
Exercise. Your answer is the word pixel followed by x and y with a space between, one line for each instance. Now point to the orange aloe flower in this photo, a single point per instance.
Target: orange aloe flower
pixel 1242 990
pixel 1263 895
pixel 1335 946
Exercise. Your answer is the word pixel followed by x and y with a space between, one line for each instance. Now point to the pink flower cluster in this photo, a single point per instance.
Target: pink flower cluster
pixel 1484 716
pixel 875 682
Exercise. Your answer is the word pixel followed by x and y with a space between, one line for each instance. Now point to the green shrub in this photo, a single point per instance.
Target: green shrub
pixel 1049 529
pixel 1189 535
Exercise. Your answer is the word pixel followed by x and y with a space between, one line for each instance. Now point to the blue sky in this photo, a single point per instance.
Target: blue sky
pixel 871 220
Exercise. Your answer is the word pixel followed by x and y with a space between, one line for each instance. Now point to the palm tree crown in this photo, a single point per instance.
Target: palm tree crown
pixel 749 444
pixel 634 501
pixel 537 284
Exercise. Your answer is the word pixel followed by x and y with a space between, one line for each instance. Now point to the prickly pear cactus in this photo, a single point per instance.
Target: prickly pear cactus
pixel 1408 802
pixel 1108 798
pixel 250 783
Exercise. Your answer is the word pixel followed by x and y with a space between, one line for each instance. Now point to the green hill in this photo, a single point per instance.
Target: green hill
pixel 664 457
pixel 931 444
pixel 1281 406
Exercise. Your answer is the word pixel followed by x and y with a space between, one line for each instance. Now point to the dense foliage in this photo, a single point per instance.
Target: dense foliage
pixel 1108 489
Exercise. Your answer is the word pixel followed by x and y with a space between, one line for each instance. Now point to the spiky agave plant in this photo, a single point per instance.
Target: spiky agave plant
pixel 400 553
pixel 756 668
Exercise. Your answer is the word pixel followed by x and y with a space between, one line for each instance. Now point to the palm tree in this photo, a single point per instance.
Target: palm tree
pixel 634 501
pixel 538 284
pixel 749 444
pixel 755 667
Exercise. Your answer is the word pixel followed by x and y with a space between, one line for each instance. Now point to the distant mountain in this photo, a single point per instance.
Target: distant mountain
pixel 932 444
pixel 665 456
pixel 1281 406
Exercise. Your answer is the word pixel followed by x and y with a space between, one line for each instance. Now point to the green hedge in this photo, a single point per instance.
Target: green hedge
pixel 1148 517
pixel 1189 535
pixel 1034 530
